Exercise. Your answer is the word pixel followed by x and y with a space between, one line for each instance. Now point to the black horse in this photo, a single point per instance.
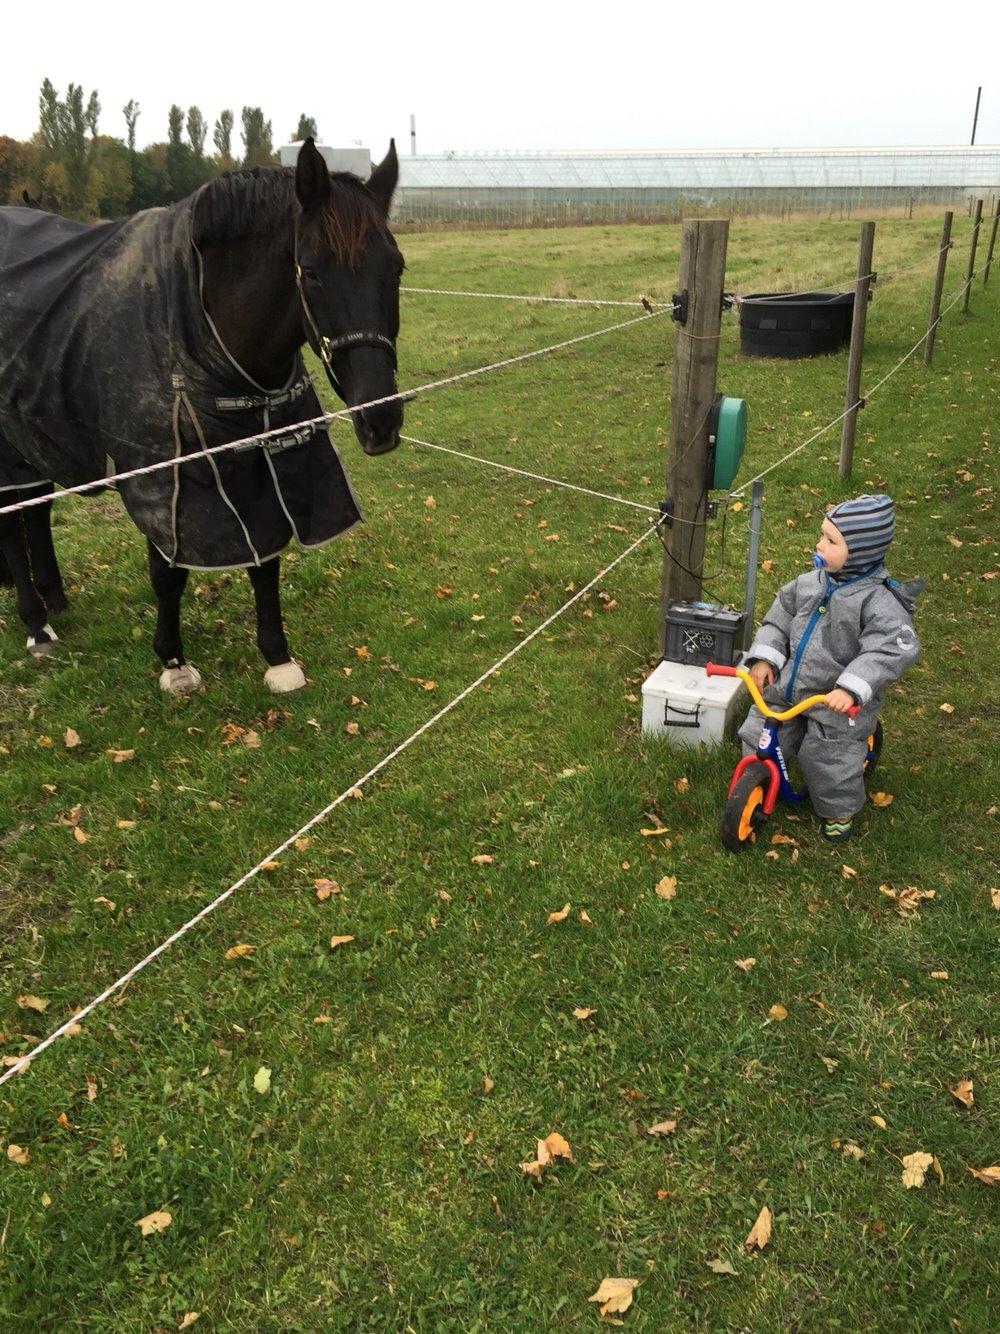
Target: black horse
pixel 140 342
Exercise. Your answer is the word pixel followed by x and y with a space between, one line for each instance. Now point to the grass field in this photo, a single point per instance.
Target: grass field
pixel 377 1184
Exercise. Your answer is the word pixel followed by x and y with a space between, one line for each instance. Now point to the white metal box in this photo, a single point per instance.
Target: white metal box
pixel 687 706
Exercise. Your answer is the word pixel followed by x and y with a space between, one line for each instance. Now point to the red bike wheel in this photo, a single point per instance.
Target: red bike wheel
pixel 743 813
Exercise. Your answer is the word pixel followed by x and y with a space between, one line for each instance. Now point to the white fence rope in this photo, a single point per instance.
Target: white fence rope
pixel 554 300
pixel 25 1061
pixel 261 436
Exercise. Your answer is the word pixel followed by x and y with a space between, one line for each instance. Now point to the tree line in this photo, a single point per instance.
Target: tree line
pixel 69 167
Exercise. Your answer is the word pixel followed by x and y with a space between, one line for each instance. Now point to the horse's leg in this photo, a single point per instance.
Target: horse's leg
pixel 168 583
pixel 30 607
pixel 282 675
pixel 42 553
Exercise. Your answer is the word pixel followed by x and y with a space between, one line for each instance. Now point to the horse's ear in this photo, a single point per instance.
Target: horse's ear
pixel 26 197
pixel 382 181
pixel 312 179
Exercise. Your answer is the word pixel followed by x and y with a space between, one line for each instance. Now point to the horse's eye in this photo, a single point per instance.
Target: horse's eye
pixel 310 275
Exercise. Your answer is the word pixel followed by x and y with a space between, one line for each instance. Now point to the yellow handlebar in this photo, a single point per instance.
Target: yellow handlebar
pixel 810 702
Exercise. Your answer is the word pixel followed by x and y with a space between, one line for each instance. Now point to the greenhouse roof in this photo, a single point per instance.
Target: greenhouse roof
pixel 729 167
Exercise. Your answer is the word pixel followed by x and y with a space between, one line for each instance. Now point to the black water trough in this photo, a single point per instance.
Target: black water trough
pixel 795 324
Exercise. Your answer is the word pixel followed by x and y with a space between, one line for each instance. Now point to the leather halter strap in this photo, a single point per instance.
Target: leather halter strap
pixel 324 346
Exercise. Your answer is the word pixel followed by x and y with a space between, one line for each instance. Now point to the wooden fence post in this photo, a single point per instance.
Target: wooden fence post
pixel 862 287
pixel 993 241
pixel 938 287
pixel 692 393
pixel 973 241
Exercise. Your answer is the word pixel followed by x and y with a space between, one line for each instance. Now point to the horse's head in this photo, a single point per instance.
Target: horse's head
pixel 348 270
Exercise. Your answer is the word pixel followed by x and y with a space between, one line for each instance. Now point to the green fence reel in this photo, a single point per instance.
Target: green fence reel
pixel 727 433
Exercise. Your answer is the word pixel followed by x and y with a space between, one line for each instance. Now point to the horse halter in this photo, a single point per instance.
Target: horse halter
pixel 325 346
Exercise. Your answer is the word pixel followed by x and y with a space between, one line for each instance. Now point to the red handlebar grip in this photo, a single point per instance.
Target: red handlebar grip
pixel 717 669
pixel 854 710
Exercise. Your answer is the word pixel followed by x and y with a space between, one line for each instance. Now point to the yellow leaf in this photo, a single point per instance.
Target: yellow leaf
pixel 581 1012
pixel 339 940
pixel 158 1221
pixel 71 738
pixel 262 1080
pixel 557 1146
pixel 681 784
pixel 939 975
pixel 352 729
pixel 585 917
pixel 614 1294
pixel 746 964
pixel 667 887
pixel 79 835
pixel 880 1121
pixel 189 1319
pixel 654 833
pixel 488 1084
pixel 239 951
pixel 760 1233
pixel 852 1150
pixel 995 898
pixel 325 888
pixel 32 1003
pixel 662 1128
pixel 938 1171
pixel 883 799
pixel 962 1092
pixel 91 1088
pixel 270 866
pixel 720 1266
pixel 774 855
pixel 989 1176
pixel 444 896
pixel 947 708
pixel 18 1155
pixel 915 1167
pixel 736 506
pixel 45 1199
pixel 830 1064
pixel 482 859
pixel 120 756
pixel 782 838
pixel 430 502
pixel 559 916
pixel 848 873
pixel 124 824
pixel 778 1013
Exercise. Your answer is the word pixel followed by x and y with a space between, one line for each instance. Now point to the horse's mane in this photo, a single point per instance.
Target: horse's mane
pixel 261 201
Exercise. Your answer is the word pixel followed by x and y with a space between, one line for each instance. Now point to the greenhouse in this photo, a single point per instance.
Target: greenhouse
pixel 526 189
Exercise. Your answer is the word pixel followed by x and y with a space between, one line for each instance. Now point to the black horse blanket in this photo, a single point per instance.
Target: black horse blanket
pixel 109 361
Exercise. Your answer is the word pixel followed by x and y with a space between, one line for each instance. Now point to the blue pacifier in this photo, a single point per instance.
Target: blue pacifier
pixel 819 562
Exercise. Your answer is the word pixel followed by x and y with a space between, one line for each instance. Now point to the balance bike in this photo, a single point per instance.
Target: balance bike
pixel 759 780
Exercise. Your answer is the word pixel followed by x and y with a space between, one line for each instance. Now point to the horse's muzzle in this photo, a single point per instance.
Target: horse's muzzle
pixel 378 428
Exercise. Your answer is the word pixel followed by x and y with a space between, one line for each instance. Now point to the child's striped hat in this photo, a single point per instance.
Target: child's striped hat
pixel 867 525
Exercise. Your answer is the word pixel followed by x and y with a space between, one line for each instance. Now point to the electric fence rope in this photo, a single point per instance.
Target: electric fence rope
pixel 76 1018
pixel 326 417
pixel 554 300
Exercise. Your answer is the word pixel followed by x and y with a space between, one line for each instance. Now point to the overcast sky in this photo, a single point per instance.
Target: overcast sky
pixel 511 74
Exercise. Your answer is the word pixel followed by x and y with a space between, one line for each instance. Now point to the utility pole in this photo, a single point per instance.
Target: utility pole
pixel 975 117
pixel 413 135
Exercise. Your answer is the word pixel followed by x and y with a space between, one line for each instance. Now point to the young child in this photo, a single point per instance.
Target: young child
pixel 844 630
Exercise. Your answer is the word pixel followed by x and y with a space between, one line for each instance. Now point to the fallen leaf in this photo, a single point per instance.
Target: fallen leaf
pixel 585 917
pixel 956 542
pixel 615 1294
pixel 906 900
pixel 947 708
pixel 557 1146
pixel 79 835
pixel 774 855
pixel 746 964
pixel 995 898
pixel 940 975
pixel 938 1170
pixel 488 1084
pixel 18 1155
pixel 681 784
pixel 158 1221
pixel 120 756
pixel 778 1013
pixel 71 738
pixel 430 502
pixel 883 799
pixel 720 1266
pixel 262 1080
pixel 559 916
pixel 667 887
pixel 124 824
pixel 654 833
pixel 989 1176
pixel 880 1121
pixel 325 889
pixel 63 1120
pixel 782 838
pixel 760 1233
pixel 581 1012
pixel 106 902
pixel 482 859
pixel 91 1088
pixel 32 1003
pixel 962 1092
pixel 270 866
pixel 239 951
pixel 915 1167
pixel 339 940
pixel 662 1128
pixel 852 1150
pixel 189 1319
pixel 444 896
pixel 848 873
pixel 830 1063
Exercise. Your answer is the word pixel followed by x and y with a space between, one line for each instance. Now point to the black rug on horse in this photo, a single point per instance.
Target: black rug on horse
pixel 108 362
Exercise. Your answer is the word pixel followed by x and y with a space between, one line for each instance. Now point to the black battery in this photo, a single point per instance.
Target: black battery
pixel 700 632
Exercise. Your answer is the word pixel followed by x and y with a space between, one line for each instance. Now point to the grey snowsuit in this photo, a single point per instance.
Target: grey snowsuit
pixel 857 634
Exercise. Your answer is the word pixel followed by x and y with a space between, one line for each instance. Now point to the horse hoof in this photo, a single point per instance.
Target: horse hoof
pixel 40 648
pixel 180 680
pixel 284 678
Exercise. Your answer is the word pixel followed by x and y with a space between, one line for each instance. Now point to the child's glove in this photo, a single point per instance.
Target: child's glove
pixel 762 674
